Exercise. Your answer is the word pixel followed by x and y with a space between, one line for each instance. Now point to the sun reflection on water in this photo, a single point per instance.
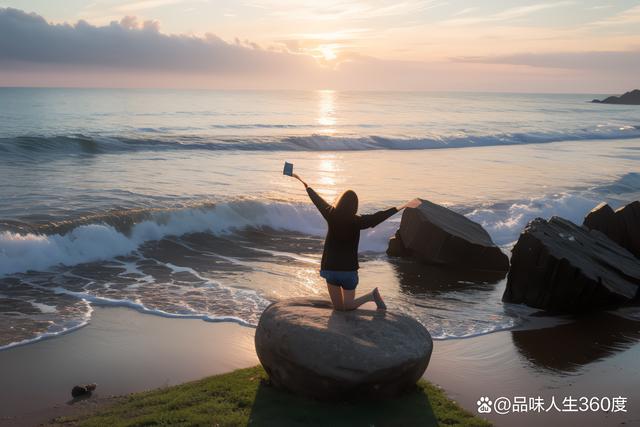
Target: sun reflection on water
pixel 326 110
pixel 329 169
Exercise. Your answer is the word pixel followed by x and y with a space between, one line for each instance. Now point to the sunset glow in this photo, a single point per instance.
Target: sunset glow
pixel 417 44
pixel 320 212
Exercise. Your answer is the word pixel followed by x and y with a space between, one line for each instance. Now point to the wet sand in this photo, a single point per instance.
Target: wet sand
pixel 598 356
pixel 122 351
pixel 125 351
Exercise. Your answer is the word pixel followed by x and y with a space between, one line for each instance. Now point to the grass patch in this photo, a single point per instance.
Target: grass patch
pixel 243 397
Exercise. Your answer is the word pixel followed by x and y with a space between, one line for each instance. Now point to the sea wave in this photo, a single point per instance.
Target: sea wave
pixel 34 145
pixel 625 184
pixel 105 236
pixel 55 330
pixel 504 222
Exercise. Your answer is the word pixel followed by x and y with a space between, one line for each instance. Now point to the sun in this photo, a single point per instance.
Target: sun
pixel 327 52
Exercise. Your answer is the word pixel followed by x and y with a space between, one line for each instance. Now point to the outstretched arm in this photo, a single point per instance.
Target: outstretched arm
pixel 410 204
pixel 321 204
pixel 369 221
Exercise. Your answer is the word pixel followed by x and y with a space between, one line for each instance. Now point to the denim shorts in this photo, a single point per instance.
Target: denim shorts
pixel 346 279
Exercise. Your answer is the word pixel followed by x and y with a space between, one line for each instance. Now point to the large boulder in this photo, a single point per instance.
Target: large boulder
pixel 559 266
pixel 310 349
pixel 436 235
pixel 622 226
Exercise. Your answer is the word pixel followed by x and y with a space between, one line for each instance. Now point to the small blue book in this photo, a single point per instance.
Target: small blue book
pixel 288 169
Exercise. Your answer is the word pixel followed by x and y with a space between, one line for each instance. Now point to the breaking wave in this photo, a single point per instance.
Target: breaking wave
pixel 94 145
pixel 103 237
pixel 120 234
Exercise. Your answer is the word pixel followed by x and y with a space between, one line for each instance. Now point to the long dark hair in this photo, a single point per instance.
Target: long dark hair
pixel 347 204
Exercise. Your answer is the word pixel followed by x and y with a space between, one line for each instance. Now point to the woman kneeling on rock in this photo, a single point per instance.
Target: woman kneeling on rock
pixel 339 264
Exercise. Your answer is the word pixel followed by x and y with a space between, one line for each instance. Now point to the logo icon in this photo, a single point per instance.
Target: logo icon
pixel 484 405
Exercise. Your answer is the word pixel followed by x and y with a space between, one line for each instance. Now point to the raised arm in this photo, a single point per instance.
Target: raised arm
pixel 321 204
pixel 369 221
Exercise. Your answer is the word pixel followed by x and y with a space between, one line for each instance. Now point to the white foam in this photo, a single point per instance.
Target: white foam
pixel 185 314
pixel 303 259
pixel 44 308
pixel 94 242
pixel 318 142
pixel 24 252
pixel 441 333
pixel 505 225
pixel 55 330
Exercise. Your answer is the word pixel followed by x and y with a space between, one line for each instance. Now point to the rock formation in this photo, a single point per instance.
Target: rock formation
pixel 310 349
pixel 622 226
pixel 561 267
pixel 434 234
pixel 629 98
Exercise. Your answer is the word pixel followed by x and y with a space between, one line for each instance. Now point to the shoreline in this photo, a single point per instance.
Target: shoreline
pixel 115 349
pixel 119 351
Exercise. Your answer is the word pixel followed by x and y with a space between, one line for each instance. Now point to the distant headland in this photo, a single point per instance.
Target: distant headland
pixel 629 98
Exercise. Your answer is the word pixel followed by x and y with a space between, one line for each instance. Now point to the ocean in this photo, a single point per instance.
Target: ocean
pixel 173 202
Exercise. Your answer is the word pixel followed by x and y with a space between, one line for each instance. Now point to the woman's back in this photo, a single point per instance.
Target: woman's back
pixel 343 236
pixel 339 265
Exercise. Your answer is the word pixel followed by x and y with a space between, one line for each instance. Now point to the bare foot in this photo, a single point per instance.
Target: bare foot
pixel 378 299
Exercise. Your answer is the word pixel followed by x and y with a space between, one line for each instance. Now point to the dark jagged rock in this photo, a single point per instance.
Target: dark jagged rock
pixel 309 349
pixel 559 266
pixel 629 98
pixel 396 247
pixel 434 234
pixel 83 390
pixel 622 226
pixel 599 217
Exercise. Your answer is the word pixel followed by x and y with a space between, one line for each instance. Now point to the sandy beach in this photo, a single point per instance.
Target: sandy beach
pixel 122 351
pixel 125 351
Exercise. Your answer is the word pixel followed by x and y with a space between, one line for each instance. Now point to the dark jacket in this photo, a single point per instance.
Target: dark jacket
pixel 341 244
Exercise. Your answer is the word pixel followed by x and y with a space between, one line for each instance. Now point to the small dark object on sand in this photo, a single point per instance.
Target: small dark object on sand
pixel 82 390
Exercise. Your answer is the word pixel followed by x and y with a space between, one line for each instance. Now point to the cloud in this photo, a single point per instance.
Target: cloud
pixel 27 38
pixel 148 4
pixel 343 10
pixel 614 61
pixel 131 53
pixel 629 16
pixel 465 11
pixel 508 14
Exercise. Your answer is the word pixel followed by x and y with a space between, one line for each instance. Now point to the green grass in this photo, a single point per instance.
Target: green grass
pixel 243 397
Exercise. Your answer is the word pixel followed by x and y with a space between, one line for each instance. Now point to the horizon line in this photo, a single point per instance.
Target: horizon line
pixel 211 89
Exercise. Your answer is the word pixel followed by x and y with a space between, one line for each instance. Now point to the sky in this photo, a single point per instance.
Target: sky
pixel 590 46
